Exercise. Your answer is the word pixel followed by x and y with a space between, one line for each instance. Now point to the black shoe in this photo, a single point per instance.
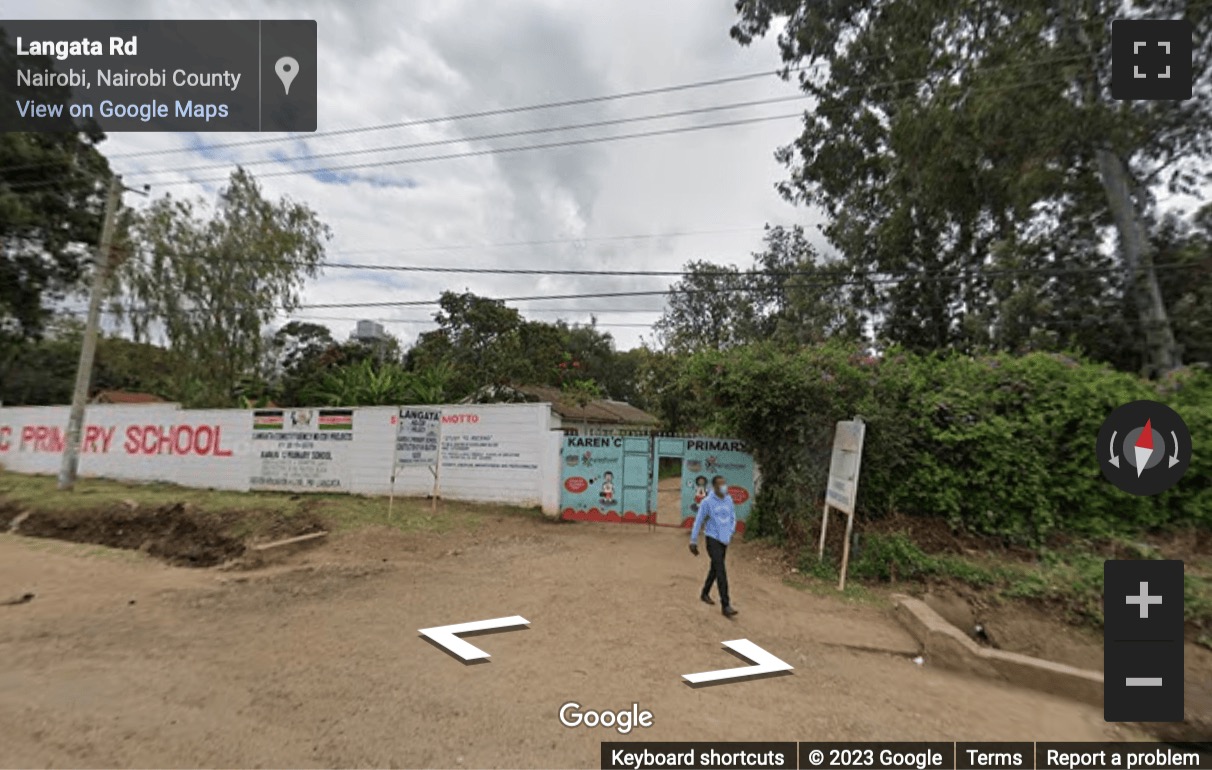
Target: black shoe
pixel 707 599
pixel 729 612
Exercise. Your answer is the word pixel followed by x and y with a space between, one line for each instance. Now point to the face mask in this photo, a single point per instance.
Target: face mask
pixel 722 489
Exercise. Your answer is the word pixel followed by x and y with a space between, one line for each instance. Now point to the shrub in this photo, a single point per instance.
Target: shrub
pixel 1000 445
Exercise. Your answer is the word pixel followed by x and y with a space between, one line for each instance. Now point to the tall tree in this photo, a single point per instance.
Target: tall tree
pixel 294 358
pixel 789 294
pixel 801 297
pixel 972 152
pixel 711 306
pixel 479 338
pixel 483 342
pixel 52 187
pixel 1184 257
pixel 210 282
pixel 44 370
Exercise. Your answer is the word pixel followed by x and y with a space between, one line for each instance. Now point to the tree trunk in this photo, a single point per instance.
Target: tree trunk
pixel 1161 350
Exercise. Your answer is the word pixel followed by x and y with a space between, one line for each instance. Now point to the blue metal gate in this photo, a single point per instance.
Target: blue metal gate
pixel 605 478
pixel 616 478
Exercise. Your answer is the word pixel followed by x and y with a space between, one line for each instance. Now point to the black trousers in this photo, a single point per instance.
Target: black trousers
pixel 717 574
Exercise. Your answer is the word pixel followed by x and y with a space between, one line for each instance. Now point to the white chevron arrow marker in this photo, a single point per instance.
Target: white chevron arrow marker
pixel 447 636
pixel 763 663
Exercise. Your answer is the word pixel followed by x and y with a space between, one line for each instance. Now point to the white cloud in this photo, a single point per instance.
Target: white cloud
pixel 386 62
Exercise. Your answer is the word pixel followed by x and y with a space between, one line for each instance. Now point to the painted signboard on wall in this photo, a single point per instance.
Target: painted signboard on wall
pixel 417 436
pixel 469 442
pixel 136 439
pixel 593 480
pixel 703 458
pixel 302 450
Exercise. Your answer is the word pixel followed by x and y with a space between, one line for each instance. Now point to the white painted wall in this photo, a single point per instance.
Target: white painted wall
pixel 495 453
pixel 502 453
pixel 373 450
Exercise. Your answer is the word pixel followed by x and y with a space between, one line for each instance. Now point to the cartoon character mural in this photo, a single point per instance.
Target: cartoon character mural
pixel 700 492
pixel 595 487
pixel 703 458
pixel 607 492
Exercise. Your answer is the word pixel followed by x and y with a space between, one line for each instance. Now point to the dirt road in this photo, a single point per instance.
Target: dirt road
pixel 124 662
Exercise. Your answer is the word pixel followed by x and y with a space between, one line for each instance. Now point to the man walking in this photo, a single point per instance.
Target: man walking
pixel 719 513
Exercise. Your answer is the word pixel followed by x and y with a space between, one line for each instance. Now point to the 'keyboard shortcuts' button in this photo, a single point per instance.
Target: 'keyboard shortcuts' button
pixel 1143 641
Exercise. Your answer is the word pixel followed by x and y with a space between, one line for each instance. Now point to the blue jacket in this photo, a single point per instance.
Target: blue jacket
pixel 720 517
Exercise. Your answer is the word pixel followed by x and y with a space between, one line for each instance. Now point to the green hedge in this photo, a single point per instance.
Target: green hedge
pixel 1000 445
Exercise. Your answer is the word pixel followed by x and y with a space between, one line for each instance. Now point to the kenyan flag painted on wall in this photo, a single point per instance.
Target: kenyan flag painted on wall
pixel 336 419
pixel 267 419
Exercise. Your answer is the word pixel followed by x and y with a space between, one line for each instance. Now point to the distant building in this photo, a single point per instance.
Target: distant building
pixel 126 397
pixel 368 331
pixel 599 417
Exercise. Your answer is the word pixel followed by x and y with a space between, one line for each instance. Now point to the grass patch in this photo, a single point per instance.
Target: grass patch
pixel 42 493
pixel 262 509
pixel 1071 579
pixel 821 578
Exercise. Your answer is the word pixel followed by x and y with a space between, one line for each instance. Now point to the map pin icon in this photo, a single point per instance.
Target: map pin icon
pixel 287 68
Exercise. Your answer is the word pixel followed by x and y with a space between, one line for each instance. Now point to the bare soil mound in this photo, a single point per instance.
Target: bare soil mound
pixel 177 533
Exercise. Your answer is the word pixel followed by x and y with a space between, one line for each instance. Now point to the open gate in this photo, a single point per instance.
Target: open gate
pixel 617 478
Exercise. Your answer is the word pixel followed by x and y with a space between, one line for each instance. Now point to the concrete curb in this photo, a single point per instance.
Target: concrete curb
pixel 950 648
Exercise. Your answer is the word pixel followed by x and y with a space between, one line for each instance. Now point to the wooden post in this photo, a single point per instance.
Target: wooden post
pixel 437 473
pixel 824 526
pixel 841 586
pixel 391 498
pixel 395 463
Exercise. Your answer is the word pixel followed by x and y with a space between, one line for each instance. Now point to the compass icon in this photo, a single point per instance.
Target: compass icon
pixel 1144 448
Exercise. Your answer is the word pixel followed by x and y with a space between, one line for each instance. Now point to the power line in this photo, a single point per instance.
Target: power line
pixel 546 146
pixel 445 119
pixel 819 271
pixel 585 273
pixel 739 105
pixel 464 116
pixel 498 150
pixel 432 321
pixel 567 143
pixel 868 278
pixel 922 276
pixel 779 73
pixel 491 151
pixel 551 242
pixel 840 278
pixel 589 310
pixel 502 135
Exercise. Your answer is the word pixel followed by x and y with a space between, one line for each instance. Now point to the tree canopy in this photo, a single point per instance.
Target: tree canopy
pixel 972 162
pixel 208 283
pixel 52 190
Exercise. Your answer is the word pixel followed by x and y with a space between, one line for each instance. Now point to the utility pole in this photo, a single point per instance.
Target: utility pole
pixel 88 346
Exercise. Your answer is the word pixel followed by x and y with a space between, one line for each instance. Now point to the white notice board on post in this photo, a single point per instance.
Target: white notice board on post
pixel 842 488
pixel 418 441
pixel 417 437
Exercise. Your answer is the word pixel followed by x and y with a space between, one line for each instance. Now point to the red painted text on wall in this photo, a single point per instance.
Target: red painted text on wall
pixel 204 440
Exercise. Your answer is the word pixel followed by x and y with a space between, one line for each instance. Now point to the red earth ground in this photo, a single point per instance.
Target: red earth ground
pixel 123 661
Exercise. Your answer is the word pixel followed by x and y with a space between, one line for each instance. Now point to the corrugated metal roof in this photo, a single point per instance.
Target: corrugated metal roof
pixel 126 397
pixel 601 411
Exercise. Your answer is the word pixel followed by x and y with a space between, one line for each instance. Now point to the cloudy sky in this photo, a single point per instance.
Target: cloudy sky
pixel 706 193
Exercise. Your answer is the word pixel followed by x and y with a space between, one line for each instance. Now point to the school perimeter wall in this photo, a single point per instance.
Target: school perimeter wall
pixel 496 453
